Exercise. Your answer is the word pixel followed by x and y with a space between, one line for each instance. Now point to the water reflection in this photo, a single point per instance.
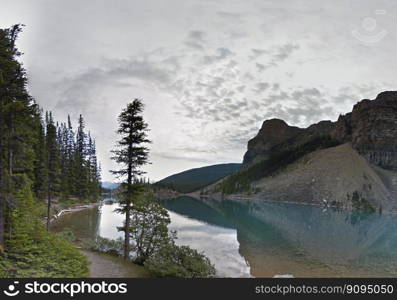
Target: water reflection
pixel 218 243
pixel 265 239
pixel 85 223
pixel 309 241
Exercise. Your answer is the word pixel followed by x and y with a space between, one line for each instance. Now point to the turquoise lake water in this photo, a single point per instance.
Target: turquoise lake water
pixel 267 239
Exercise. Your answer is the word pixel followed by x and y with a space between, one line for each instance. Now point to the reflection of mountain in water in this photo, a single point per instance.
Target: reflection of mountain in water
pixel 303 240
pixel 196 209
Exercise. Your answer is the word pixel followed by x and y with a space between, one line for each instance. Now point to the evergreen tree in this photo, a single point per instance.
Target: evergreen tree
pixel 53 164
pixel 40 166
pixel 131 154
pixel 63 136
pixel 70 170
pixel 81 162
pixel 93 169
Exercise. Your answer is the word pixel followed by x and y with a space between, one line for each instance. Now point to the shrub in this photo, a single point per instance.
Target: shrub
pixel 100 244
pixel 180 261
pixel 66 235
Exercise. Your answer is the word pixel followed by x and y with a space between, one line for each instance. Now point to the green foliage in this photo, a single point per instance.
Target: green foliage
pixel 66 235
pixel 53 157
pixel 104 245
pixel 48 256
pixel 30 250
pixel 180 261
pixel 195 179
pixel 148 229
pixel 148 220
pixel 241 180
pixel 131 153
pixel 40 186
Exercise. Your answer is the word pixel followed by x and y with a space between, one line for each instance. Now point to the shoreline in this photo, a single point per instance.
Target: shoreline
pixel 251 200
pixel 102 264
pixel 73 208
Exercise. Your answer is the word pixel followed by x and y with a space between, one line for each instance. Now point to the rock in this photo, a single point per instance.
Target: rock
pixel 374 129
pixel 272 133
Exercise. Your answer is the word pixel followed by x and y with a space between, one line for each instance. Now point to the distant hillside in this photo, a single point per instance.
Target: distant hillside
pixel 195 179
pixel 109 185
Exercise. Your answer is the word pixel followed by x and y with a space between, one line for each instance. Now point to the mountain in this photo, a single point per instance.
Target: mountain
pixel 109 185
pixel 350 163
pixel 371 128
pixel 195 179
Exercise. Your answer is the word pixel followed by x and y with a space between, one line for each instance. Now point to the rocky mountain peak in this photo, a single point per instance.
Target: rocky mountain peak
pixel 371 128
pixel 272 133
pixel 387 96
pixel 274 123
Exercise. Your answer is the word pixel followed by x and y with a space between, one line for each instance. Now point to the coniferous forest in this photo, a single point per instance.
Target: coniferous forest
pixel 43 164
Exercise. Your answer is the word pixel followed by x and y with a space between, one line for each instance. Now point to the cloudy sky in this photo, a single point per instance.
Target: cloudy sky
pixel 209 71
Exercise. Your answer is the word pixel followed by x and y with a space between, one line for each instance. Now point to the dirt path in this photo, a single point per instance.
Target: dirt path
pixel 103 265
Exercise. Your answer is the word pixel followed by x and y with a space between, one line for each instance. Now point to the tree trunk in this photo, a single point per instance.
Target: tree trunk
pixel 11 146
pixel 128 206
pixel 127 232
pixel 48 208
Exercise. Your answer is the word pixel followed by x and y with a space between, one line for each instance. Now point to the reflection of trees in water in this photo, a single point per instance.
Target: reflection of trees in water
pixel 280 237
pixel 95 221
pixel 84 223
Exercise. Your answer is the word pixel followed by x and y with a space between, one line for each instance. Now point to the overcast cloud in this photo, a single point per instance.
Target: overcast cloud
pixel 209 72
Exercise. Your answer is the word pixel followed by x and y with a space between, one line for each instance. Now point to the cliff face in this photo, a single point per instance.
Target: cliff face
pixel 272 133
pixel 371 128
pixel 374 130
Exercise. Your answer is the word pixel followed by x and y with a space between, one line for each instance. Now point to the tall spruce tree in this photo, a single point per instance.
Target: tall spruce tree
pixel 70 146
pixel 80 161
pixel 53 164
pixel 40 165
pixel 63 141
pixel 131 154
pixel 93 169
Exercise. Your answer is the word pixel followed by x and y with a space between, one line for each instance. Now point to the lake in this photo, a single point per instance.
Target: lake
pixel 267 239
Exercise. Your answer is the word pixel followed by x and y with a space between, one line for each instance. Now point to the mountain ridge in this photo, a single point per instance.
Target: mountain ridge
pixel 194 179
pixel 371 127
